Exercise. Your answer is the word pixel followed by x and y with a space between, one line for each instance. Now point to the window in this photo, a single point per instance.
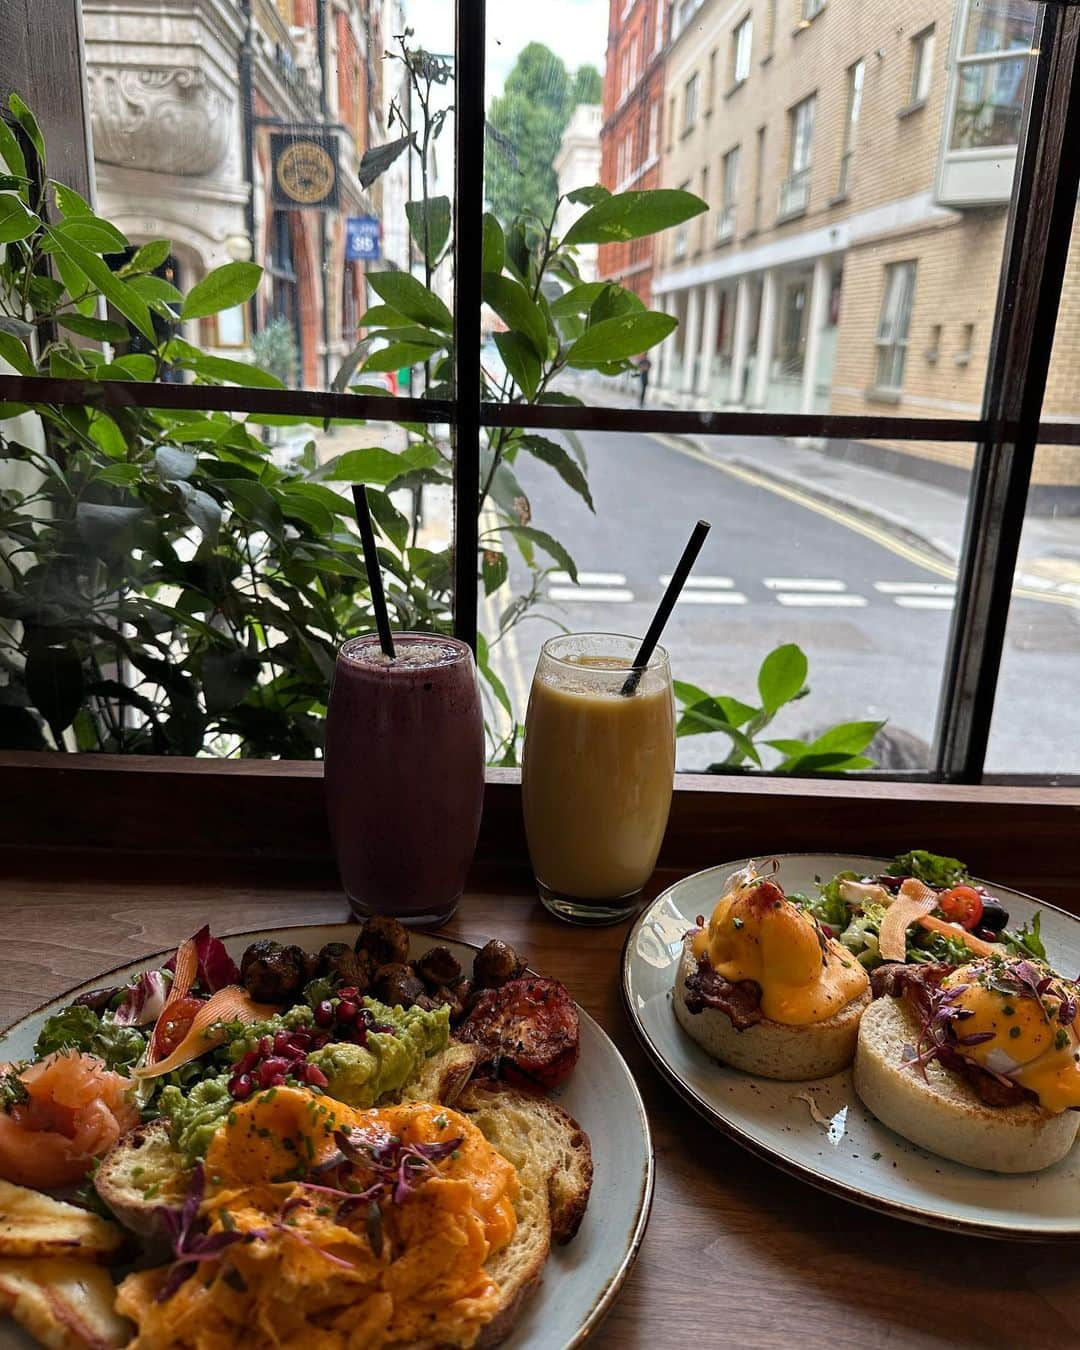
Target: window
pixel 854 106
pixel 670 122
pixel 690 103
pixel 795 189
pixel 741 42
pixel 710 96
pixel 725 219
pixel 633 61
pixel 922 65
pixel 892 336
pixel 703 192
pixel 793 330
pixel 759 177
pixel 654 131
pixel 681 241
pixel 624 77
pixel 683 13
pixel 811 9
pixel 992 74
pixel 658 26
pixel 770 29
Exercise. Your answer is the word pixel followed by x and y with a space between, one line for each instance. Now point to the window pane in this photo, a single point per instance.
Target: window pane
pixel 997 26
pixel 851 563
pixel 989 104
pixel 178 156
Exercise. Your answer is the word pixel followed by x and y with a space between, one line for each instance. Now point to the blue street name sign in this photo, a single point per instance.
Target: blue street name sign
pixel 362 237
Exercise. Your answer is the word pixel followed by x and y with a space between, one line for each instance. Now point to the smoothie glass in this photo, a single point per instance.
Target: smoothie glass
pixel 405 774
pixel 597 774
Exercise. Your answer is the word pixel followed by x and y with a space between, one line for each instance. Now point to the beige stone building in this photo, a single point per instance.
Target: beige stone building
pixel 857 157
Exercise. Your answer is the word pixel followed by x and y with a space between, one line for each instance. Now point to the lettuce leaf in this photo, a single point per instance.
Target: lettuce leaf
pixel 80 1028
pixel 931 868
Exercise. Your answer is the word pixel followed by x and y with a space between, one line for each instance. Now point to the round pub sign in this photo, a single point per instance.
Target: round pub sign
pixel 305 170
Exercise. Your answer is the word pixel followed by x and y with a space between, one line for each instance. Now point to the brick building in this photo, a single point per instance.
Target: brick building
pixel 632 126
pixel 857 158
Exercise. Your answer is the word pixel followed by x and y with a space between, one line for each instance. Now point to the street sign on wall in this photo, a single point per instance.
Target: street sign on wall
pixel 363 235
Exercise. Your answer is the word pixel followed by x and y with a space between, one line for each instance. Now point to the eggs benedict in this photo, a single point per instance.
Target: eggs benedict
pixel 980 1063
pixel 762 988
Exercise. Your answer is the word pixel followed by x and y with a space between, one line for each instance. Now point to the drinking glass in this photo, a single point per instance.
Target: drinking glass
pixel 405 774
pixel 597 774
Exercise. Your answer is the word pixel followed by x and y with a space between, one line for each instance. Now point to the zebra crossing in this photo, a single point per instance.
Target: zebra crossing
pixel 612 588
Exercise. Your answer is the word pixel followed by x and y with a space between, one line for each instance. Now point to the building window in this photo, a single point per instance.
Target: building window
pixel 704 197
pixel 922 65
pixel 811 9
pixel 658 33
pixel 742 40
pixel 633 62
pixel 710 94
pixel 792 335
pixel 654 131
pixel 725 219
pixel 795 189
pixel 892 335
pixel 624 76
pixel 855 76
pixel 770 29
pixel 681 241
pixel 683 14
pixel 992 72
pixel 670 121
pixel 759 177
pixel 690 103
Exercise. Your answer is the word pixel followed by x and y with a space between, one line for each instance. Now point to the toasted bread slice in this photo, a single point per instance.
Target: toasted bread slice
pixel 771 1049
pixel 553 1158
pixel 942 1112
pixel 32 1224
pixel 443 1075
pixel 64 1304
pixel 139 1174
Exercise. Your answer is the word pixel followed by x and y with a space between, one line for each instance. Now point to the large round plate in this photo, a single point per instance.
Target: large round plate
pixel 836 1143
pixel 581 1280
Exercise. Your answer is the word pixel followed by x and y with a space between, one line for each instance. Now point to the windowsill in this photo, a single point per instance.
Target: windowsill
pixel 752 234
pixel 962 359
pixel 876 395
pixel 839 199
pixel 687 131
pixel 726 241
pixel 734 89
pixel 791 215
pixel 911 109
pixel 806 23
pixel 766 58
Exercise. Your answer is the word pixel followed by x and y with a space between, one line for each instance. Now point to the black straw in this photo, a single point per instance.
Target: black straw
pixel 667 604
pixel 371 562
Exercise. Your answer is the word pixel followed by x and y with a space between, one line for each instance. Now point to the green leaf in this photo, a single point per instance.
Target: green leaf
pixel 411 298
pixel 228 678
pixel 494 568
pixel 156 291
pixel 849 738
pixel 28 122
pixel 16 355
pixel 520 358
pixel 11 152
pixel 505 488
pixel 100 330
pixel 302 507
pixel 118 293
pixel 147 257
pixel 118 475
pixel 588 196
pixel 549 452
pixel 389 519
pixel 825 763
pixel 382 316
pixel 551 546
pixel 231 372
pixel 618 339
pixel 106 528
pixel 429 222
pixel 483 661
pixel 69 203
pixel 99 236
pixel 612 303
pixel 374 465
pixel 226 286
pixel 782 676
pixel 54 681
pixel 577 300
pixel 201 509
pixel 378 159
pixel 16 222
pixel 397 356
pixel 174 464
pixel 517 309
pixel 494 246
pixel 631 215
pixel 713 714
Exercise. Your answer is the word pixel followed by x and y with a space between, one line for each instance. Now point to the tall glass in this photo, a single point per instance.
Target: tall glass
pixel 597 774
pixel 405 774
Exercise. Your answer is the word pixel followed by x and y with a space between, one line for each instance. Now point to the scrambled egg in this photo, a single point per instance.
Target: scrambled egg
pixel 314 1279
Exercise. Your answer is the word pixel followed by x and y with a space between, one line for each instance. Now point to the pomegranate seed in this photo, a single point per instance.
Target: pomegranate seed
pixel 269 1069
pixel 324 1013
pixel 240 1087
pixel 246 1063
pixel 350 992
pixel 278 1080
pixel 301 1039
pixel 281 1042
pixel 265 1045
pixel 315 1076
pixel 347 1010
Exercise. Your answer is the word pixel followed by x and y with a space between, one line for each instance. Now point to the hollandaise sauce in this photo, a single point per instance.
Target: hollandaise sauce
pixel 756 933
pixel 1007 1026
pixel 302 1262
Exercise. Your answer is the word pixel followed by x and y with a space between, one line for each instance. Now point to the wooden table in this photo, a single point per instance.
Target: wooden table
pixel 736 1254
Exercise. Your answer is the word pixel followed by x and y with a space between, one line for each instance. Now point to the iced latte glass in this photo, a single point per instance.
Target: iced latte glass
pixel 597 774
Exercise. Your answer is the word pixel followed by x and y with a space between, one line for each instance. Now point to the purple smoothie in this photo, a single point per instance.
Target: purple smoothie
pixel 405 774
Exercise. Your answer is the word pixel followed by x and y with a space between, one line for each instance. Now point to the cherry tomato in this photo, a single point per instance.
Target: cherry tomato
pixel 174 1028
pixel 962 905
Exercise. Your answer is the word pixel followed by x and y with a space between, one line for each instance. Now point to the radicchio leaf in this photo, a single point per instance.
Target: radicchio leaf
pixel 143 1000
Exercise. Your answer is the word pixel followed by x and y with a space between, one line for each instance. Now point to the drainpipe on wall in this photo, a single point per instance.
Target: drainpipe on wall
pixel 247 125
pixel 324 261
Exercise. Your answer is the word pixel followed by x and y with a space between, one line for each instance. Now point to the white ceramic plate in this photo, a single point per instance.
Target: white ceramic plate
pixel 581 1280
pixel 851 1155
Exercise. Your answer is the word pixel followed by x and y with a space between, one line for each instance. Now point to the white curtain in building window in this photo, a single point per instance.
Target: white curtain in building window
pixel 802 134
pixel 892 337
pixel 690 102
pixel 922 64
pixel 654 130
pixel 743 40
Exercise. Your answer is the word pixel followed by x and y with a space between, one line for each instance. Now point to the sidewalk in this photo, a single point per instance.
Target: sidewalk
pixel 928 517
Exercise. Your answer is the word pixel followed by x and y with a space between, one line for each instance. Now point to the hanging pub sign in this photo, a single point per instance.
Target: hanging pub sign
pixel 305 170
pixel 362 237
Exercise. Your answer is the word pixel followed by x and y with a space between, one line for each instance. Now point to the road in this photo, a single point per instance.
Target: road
pixel 871 611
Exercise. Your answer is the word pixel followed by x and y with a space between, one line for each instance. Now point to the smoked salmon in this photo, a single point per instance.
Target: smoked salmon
pixel 75 1111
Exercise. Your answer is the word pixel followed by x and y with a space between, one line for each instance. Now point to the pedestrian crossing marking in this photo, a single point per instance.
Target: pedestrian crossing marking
pixel 915 587
pixel 712 598
pixel 591 594
pixel 804 584
pixel 589 578
pixel 925 601
pixel 824 601
pixel 699 583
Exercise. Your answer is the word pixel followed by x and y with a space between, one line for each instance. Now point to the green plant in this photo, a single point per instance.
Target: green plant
pixel 781 682
pixel 273 349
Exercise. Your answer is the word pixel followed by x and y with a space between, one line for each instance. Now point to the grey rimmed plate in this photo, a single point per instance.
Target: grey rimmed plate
pixel 820 1131
pixel 581 1281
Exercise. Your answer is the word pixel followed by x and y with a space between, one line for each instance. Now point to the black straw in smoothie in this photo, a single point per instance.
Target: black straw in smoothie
pixel 371 562
pixel 667 604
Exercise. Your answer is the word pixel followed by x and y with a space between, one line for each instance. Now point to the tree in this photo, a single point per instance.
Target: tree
pixel 525 126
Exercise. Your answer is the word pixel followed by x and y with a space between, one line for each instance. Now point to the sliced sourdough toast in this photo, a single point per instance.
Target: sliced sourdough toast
pixel 941 1111
pixel 770 1049
pixel 553 1158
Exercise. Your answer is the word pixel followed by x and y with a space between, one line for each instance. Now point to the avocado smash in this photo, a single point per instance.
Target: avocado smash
pixel 326 1226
